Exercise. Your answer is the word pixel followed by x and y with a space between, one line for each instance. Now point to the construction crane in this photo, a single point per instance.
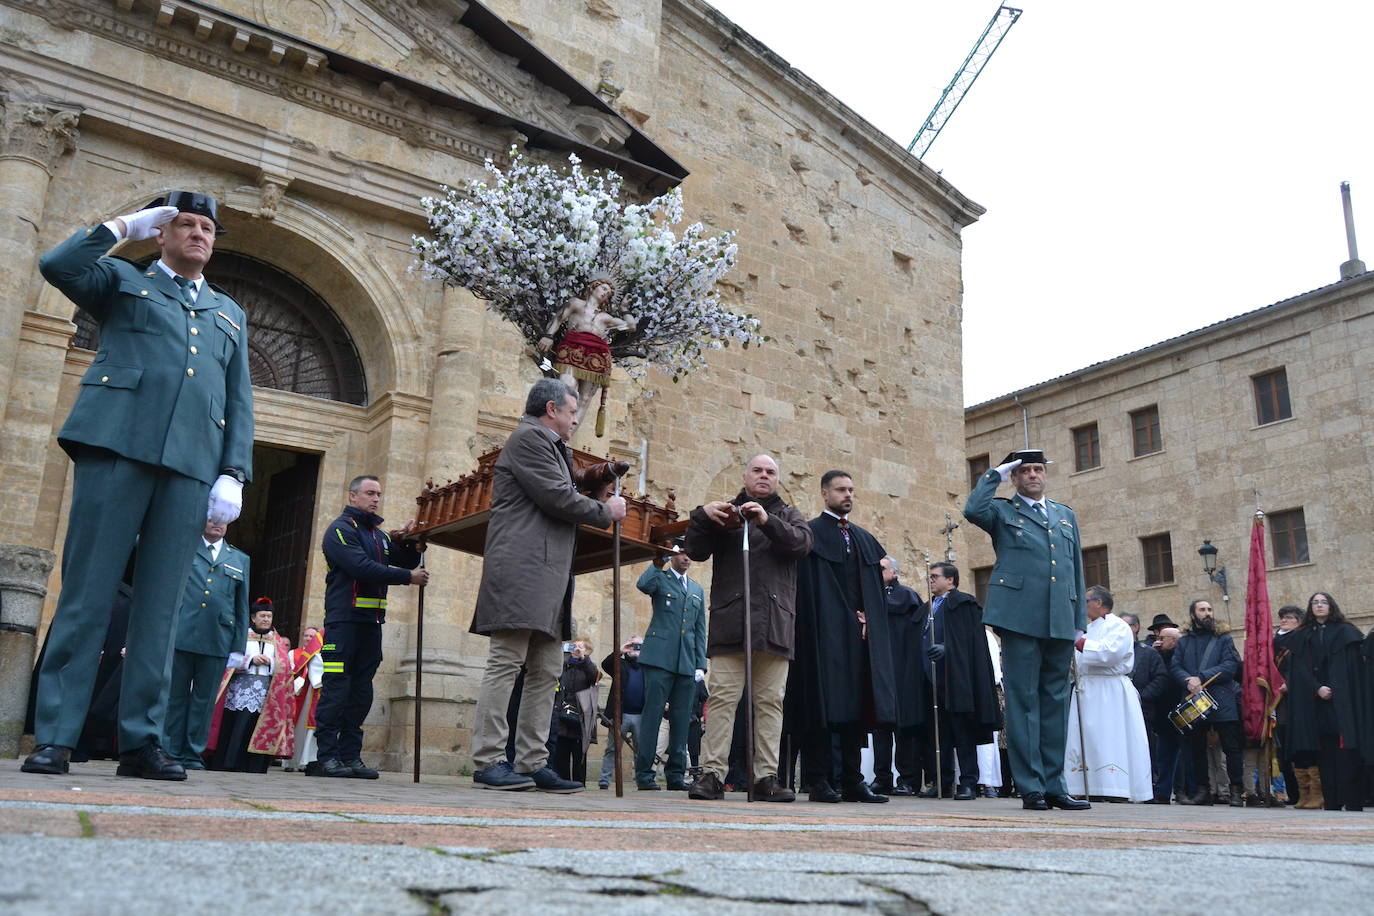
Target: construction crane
pixel 998 27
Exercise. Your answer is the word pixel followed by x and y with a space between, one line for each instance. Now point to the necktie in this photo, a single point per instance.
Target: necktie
pixel 844 530
pixel 188 290
pixel 1040 508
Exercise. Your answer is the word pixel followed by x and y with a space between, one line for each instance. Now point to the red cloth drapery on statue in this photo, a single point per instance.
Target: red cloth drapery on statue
pixel 1260 679
pixel 585 356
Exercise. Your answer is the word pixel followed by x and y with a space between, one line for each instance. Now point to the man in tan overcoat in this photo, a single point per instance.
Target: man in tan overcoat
pixel 524 603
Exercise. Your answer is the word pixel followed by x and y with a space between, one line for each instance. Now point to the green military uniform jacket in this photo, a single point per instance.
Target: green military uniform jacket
pixel 1037 585
pixel 676 638
pixel 213 619
pixel 170 385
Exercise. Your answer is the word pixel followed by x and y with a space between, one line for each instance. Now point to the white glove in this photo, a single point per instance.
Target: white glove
pixel 226 500
pixel 142 225
pixel 701 675
pixel 1006 469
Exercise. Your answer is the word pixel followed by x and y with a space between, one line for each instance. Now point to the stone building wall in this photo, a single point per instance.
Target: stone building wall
pixel 849 253
pixel 1217 463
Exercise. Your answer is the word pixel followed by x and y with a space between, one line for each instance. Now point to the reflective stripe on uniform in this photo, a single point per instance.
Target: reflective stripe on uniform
pixel 370 602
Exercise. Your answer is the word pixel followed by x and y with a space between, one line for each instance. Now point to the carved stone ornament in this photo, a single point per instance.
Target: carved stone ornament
pixel 37 131
pixel 23 582
pixel 272 188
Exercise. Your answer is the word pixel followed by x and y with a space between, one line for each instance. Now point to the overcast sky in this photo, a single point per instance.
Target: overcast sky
pixel 1148 168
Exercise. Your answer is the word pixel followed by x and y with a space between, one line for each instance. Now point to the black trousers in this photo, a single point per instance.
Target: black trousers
pixel 351 654
pixel 908 758
pixel 1342 775
pixel 1232 746
pixel 958 741
pixel 820 750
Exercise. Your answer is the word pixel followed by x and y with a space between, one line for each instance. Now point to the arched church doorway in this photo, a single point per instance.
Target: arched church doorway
pixel 297 343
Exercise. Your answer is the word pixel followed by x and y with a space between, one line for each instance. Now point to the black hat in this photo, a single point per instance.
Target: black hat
pixel 1027 456
pixel 193 202
pixel 679 544
pixel 1160 622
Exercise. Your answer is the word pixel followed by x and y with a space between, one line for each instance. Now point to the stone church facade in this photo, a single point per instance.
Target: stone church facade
pixel 319 125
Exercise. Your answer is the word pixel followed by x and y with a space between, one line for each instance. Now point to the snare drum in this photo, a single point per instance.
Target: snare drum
pixel 1191 711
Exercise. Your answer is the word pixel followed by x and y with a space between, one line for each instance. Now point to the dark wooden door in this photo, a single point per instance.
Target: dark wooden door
pixel 279 567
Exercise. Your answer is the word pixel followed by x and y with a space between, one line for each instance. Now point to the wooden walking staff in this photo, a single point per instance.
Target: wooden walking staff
pixel 419 665
pixel 1082 739
pixel 748 674
pixel 615 653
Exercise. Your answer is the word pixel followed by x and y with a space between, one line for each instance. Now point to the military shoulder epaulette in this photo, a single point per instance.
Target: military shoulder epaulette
pixel 1058 503
pixel 1001 499
pixel 136 265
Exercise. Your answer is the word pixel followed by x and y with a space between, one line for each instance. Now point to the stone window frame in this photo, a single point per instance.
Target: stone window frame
pixel 1086 437
pixel 1273 397
pixel 1288 537
pixel 977 467
pixel 1157 555
pixel 1147 436
pixel 1095 559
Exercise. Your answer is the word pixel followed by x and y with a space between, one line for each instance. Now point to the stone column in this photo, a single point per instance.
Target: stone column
pixel 23 584
pixel 34 134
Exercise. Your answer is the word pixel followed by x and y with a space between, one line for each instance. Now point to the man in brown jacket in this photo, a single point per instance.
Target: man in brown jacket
pixel 778 538
pixel 525 600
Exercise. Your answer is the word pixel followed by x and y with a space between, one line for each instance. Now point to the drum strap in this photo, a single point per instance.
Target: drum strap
pixel 1209 654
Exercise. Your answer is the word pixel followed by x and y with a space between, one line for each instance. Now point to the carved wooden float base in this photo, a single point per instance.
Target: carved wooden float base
pixel 456 515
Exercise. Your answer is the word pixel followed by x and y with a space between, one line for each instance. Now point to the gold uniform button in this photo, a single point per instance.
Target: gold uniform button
pixel 202 604
pixel 193 314
pixel 195 331
pixel 207 591
pixel 1054 563
pixel 194 351
pixel 143 292
pixel 1052 578
pixel 221 422
pixel 190 372
pixel 104 378
pixel 1051 547
pixel 1001 581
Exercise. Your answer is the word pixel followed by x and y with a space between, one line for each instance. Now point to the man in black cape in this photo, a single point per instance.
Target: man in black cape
pixel 842 681
pixel 906 624
pixel 961 666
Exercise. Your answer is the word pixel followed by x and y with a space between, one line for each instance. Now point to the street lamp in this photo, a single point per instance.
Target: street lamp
pixel 1208 552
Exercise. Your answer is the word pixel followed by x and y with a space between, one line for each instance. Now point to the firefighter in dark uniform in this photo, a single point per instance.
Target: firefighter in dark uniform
pixel 362 562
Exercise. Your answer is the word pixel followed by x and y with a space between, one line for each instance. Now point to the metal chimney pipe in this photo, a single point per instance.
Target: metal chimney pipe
pixel 1353 267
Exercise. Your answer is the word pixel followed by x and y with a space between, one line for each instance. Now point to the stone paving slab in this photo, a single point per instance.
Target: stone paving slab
pixel 94 843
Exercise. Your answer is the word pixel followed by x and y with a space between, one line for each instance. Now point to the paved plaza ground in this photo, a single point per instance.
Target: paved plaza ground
pixel 93 843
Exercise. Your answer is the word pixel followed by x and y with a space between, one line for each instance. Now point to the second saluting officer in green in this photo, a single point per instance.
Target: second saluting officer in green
pixel 1036 604
pixel 164 419
pixel 673 660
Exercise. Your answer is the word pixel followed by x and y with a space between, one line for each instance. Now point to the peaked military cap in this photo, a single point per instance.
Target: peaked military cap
pixel 1027 456
pixel 193 202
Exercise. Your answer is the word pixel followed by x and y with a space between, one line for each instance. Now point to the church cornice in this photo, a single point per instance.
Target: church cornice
pixel 230 47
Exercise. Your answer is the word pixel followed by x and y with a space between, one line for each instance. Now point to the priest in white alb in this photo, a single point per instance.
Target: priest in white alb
pixel 1107 753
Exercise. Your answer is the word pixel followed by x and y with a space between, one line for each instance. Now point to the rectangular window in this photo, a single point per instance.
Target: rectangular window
pixel 982 575
pixel 1095 567
pixel 1288 530
pixel 1159 559
pixel 1145 431
pixel 1271 397
pixel 977 467
pixel 1086 451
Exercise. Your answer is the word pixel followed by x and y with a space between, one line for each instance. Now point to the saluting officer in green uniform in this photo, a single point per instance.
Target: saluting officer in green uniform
pixel 1036 603
pixel 212 622
pixel 673 659
pixel 163 420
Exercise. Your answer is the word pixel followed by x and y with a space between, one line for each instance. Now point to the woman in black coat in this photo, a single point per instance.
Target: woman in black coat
pixel 1325 706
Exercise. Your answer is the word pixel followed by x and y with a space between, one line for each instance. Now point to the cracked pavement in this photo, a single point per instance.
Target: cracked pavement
pixel 94 843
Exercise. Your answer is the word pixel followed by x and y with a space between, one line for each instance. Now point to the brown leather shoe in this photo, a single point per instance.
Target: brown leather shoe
pixel 770 790
pixel 707 788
